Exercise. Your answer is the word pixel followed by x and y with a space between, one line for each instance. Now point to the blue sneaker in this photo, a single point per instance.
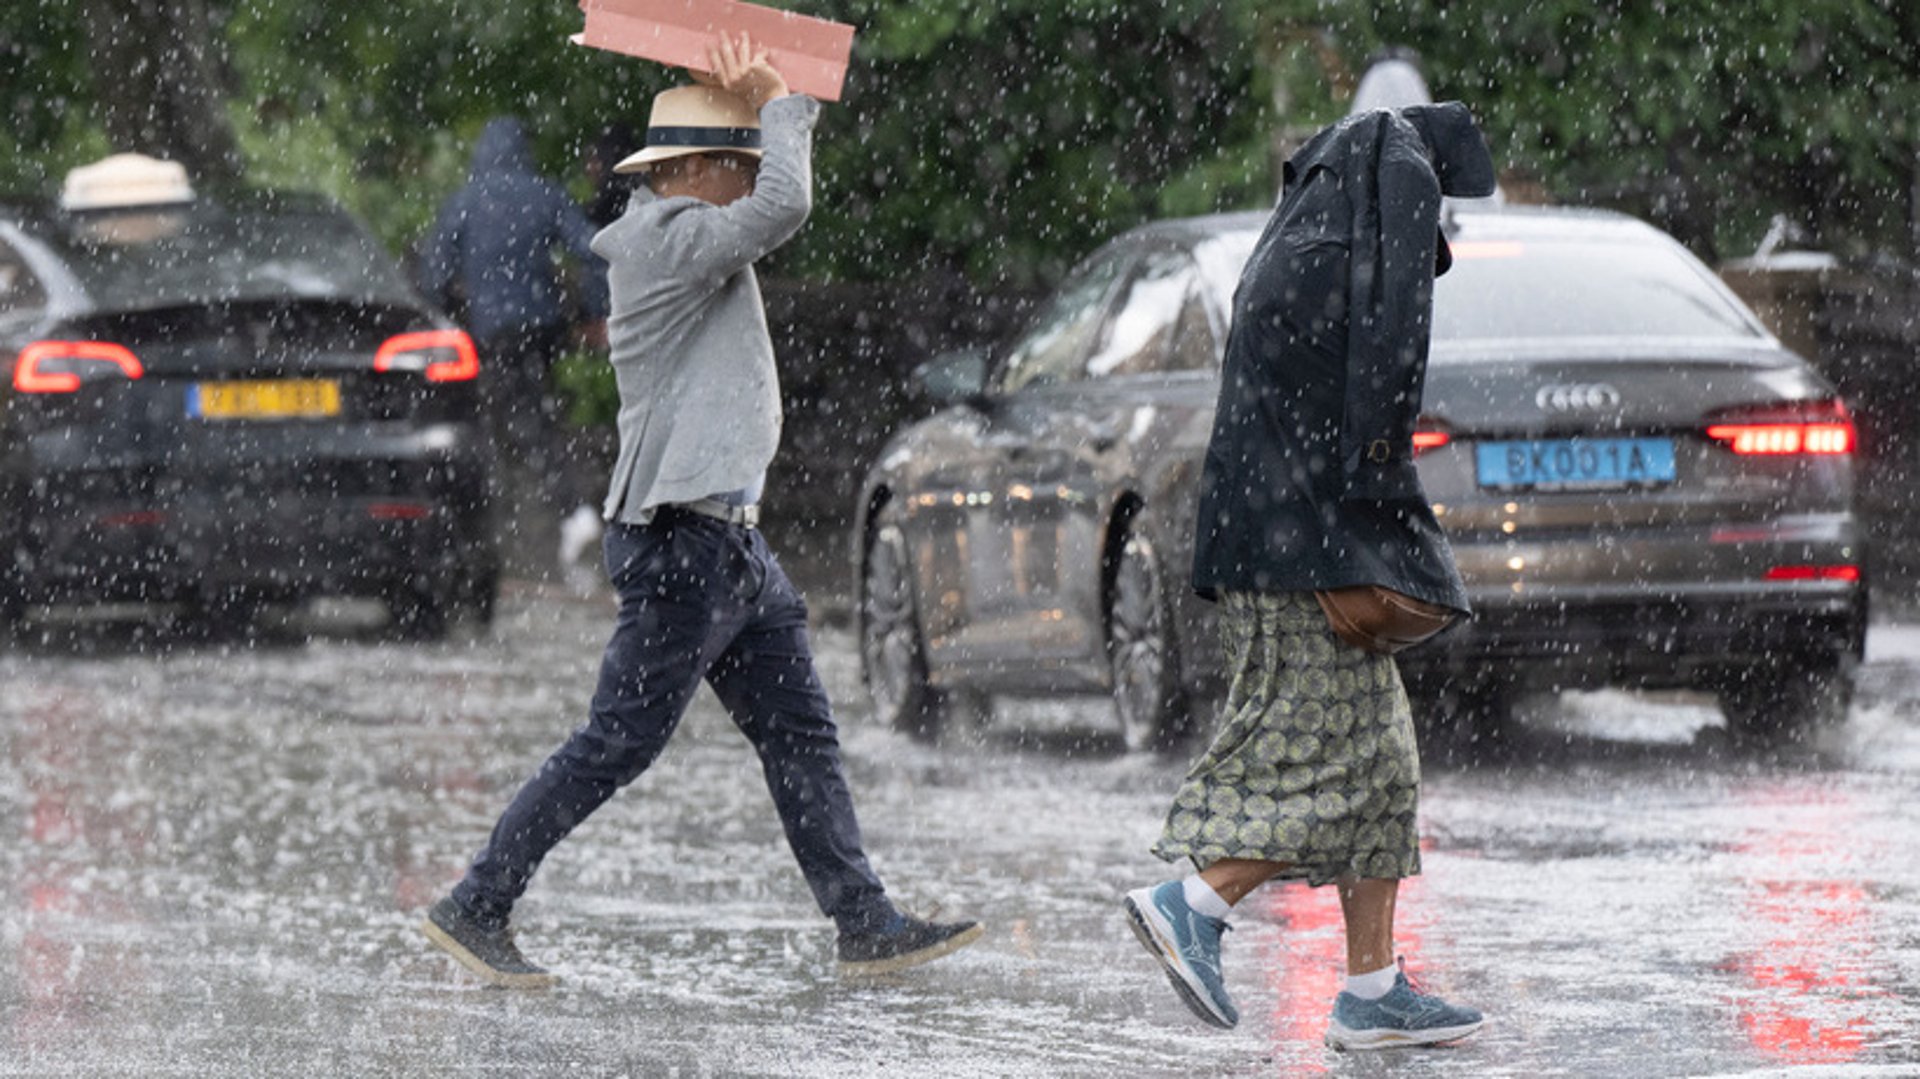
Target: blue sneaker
pixel 1187 944
pixel 1405 1016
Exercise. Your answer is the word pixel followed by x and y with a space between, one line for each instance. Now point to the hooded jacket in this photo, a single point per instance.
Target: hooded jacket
pixel 492 244
pixel 1309 481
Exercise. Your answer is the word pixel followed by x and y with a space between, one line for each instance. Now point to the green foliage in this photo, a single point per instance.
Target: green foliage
pixel 1708 115
pixel 45 89
pixel 380 105
pixel 1005 138
pixel 585 381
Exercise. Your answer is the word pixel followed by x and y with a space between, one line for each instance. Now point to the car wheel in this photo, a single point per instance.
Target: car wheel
pixel 893 657
pixel 1789 698
pixel 1141 650
pixel 13 615
pixel 1459 719
pixel 479 592
pixel 422 612
pixel 13 590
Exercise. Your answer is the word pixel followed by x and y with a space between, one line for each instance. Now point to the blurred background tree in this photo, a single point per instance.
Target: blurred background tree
pixel 986 145
pixel 1001 139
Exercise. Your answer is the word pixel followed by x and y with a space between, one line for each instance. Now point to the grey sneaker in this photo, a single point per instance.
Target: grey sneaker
pixel 489 953
pixel 908 942
pixel 1404 1017
pixel 1187 944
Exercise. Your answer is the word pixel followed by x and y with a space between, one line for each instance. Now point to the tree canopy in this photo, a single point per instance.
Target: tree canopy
pixel 1001 139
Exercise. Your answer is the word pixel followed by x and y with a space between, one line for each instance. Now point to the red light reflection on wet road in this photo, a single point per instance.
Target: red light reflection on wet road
pixel 1809 975
pixel 1306 967
pixel 58 748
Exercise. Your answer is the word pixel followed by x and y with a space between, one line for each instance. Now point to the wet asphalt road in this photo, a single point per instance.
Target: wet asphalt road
pixel 215 854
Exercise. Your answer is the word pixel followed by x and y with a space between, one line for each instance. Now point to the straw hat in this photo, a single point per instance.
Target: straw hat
pixel 125 180
pixel 696 120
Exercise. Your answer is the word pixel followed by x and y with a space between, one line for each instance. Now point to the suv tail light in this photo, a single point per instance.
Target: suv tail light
pixel 444 355
pixel 1424 440
pixel 61 366
pixel 1814 573
pixel 1815 427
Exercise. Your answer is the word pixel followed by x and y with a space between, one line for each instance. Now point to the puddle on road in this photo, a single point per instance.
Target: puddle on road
pixel 221 851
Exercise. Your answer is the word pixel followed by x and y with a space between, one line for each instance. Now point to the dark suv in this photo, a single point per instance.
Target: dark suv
pixel 1642 486
pixel 217 403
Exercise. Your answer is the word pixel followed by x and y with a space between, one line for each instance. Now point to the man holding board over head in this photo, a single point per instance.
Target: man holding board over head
pixel 728 175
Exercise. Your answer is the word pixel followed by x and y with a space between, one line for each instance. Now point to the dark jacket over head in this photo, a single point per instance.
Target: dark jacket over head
pixel 492 245
pixel 1309 480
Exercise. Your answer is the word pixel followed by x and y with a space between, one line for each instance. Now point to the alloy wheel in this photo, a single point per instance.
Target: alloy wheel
pixel 1140 649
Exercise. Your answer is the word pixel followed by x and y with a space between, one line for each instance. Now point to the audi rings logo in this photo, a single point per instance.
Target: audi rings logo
pixel 1577 397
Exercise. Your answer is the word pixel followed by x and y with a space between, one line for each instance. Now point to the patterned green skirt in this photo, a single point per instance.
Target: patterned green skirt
pixel 1315 764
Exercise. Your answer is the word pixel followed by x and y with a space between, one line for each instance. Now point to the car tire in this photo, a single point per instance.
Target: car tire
pixel 1789 698
pixel 422 612
pixel 13 616
pixel 1143 654
pixel 893 658
pixel 480 593
pixel 1463 720
pixel 13 591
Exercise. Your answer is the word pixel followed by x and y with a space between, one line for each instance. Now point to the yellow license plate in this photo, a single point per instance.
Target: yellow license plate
pixel 274 400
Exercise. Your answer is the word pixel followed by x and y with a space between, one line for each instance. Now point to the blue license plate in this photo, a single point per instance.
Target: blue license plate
pixel 1576 464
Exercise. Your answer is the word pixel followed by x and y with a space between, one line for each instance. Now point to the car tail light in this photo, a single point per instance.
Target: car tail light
pixel 57 366
pixel 1814 573
pixel 1429 440
pixel 134 519
pixel 399 511
pixel 1820 428
pixel 444 355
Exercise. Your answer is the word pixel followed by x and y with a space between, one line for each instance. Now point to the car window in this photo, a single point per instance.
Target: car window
pixel 1152 327
pixel 1195 346
pixel 1051 350
pixel 20 291
pixel 1221 258
pixel 169 256
pixel 1581 288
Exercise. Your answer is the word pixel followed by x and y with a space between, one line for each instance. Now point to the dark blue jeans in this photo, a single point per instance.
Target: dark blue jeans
pixel 698 599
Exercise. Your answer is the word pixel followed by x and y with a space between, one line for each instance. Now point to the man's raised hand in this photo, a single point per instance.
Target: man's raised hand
pixel 740 68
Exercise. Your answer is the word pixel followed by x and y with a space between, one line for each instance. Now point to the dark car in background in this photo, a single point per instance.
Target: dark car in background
pixel 1643 489
pixel 217 403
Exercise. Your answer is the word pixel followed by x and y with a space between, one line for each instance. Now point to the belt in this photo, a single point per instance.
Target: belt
pixel 747 516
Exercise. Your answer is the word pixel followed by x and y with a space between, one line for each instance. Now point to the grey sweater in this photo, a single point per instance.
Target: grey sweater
pixel 699 393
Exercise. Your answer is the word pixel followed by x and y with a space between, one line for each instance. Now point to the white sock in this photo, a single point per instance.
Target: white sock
pixel 1375 985
pixel 1202 898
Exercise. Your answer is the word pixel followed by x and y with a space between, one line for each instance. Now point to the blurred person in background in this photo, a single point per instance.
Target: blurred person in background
pixel 611 189
pixel 489 260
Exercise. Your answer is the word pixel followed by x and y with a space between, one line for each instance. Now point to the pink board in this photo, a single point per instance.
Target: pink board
pixel 810 53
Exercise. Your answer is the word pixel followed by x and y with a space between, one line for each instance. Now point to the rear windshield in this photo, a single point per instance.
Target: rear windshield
pixel 1584 289
pixel 1587 288
pixel 166 257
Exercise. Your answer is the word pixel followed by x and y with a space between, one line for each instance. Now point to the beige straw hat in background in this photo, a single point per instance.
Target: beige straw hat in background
pixel 125 180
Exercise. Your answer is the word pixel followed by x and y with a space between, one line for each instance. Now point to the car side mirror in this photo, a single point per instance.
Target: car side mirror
pixel 952 378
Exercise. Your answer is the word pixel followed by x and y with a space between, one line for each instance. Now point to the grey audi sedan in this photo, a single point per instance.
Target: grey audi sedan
pixel 1643 489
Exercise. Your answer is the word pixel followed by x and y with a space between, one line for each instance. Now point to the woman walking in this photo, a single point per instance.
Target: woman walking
pixel 1310 486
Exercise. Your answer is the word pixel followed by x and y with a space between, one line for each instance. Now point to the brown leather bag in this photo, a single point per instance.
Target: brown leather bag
pixel 1379 619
